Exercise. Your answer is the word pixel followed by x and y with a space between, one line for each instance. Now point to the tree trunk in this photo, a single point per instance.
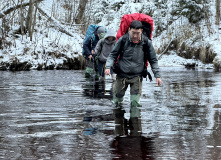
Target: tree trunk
pixel 29 19
pixel 22 19
pixel 81 10
pixel 33 24
pixel 217 12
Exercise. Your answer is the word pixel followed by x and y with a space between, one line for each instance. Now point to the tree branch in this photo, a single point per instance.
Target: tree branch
pixel 12 8
pixel 161 54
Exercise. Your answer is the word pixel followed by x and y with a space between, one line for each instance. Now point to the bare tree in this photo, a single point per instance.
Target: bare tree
pixel 217 12
pixel 29 19
pixel 80 11
pixel 73 11
pixel 22 19
pixel 33 24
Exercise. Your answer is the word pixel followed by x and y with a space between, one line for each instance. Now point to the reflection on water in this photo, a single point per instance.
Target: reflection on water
pixel 129 142
pixel 62 115
pixel 97 89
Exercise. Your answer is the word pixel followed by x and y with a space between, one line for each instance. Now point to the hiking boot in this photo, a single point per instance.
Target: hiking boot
pixel 88 72
pixel 91 74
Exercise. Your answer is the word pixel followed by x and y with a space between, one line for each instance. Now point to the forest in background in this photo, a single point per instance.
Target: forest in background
pixel 48 34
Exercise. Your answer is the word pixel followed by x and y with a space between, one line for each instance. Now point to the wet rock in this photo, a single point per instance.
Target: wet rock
pixel 61 66
pixel 4 66
pixel 50 67
pixel 16 65
pixel 190 65
pixel 39 67
pixel 74 63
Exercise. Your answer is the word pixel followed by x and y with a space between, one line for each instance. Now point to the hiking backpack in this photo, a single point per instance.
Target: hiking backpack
pixel 92 29
pixel 147 23
pixel 126 20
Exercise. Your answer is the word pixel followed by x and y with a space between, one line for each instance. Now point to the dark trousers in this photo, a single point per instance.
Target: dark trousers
pixel 101 68
pixel 121 86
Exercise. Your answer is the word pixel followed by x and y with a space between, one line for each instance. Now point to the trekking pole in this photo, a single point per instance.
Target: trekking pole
pixel 103 70
pixel 93 78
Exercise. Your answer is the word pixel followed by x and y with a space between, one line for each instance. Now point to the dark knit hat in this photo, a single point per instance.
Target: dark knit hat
pixel 100 30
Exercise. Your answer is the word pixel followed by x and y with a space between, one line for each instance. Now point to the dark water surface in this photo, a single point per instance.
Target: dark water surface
pixel 58 115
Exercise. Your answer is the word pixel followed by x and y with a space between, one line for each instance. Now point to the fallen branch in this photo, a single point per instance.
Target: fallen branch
pixel 12 8
pixel 165 49
pixel 57 24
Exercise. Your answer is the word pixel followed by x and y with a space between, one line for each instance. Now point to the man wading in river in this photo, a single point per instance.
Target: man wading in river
pixel 130 66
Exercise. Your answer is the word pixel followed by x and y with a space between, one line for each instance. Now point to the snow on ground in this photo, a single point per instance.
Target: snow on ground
pixel 49 39
pixel 180 28
pixel 177 61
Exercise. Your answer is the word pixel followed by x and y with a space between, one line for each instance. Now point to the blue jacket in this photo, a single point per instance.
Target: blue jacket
pixel 90 44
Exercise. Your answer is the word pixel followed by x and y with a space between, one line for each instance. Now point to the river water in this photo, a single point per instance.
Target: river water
pixel 59 114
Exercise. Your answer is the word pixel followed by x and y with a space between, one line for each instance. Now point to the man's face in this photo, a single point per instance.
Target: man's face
pixel 135 34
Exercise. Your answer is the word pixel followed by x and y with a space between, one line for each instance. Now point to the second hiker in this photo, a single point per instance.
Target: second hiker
pixel 89 48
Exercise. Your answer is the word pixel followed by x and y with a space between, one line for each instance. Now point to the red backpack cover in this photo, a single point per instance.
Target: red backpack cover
pixel 128 18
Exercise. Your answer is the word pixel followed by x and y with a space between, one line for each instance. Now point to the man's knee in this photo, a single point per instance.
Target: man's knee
pixel 135 100
pixel 119 95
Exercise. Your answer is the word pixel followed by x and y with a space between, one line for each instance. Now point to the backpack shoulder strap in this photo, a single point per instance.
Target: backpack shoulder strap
pixel 101 46
pixel 102 42
pixel 93 37
pixel 145 44
pixel 146 52
pixel 123 42
pixel 145 48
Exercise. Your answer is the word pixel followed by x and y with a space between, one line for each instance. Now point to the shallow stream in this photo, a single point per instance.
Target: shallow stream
pixel 59 114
